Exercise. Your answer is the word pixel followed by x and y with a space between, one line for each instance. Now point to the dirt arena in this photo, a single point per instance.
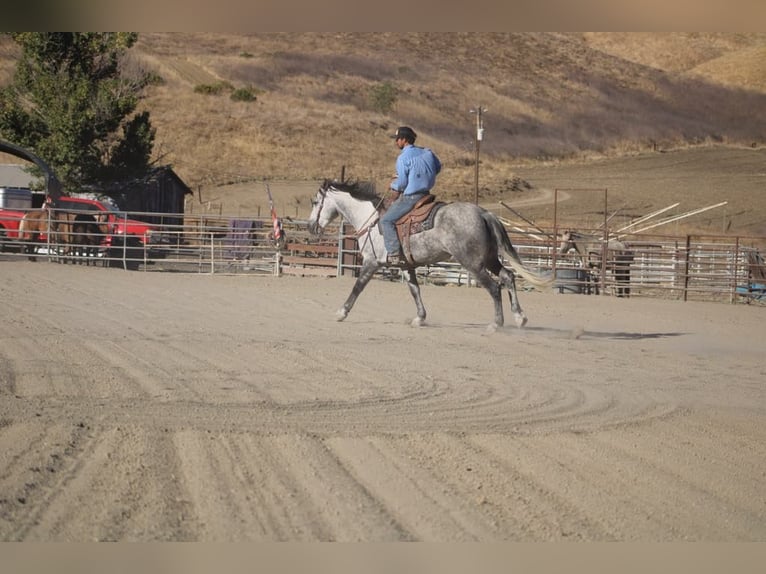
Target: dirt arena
pixel 171 407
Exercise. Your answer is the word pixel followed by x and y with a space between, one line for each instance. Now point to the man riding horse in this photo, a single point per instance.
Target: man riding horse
pixel 416 171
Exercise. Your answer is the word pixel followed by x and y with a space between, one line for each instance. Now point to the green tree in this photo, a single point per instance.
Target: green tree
pixel 74 103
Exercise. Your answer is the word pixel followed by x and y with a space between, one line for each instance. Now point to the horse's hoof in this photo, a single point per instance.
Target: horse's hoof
pixel 340 315
pixel 418 322
pixel 492 328
pixel 521 320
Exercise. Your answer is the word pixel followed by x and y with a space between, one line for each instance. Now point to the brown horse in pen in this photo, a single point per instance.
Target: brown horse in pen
pixel 32 227
pixel 87 234
pixel 46 226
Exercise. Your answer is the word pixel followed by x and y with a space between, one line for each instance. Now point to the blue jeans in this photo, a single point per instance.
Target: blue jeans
pixel 400 207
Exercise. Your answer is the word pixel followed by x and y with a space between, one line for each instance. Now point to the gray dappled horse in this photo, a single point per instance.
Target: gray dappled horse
pixel 473 236
pixel 590 249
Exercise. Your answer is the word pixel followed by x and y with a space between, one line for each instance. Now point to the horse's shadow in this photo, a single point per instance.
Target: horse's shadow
pixel 554 332
pixel 568 333
pixel 578 333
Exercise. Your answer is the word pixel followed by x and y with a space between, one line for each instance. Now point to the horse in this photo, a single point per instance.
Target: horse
pixel 471 235
pixel 590 249
pixel 67 233
pixel 87 235
pixel 62 229
pixel 31 227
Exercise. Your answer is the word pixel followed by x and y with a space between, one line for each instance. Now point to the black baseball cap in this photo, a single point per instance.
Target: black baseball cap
pixel 406 133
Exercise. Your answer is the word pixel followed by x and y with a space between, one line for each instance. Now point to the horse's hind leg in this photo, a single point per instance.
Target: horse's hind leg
pixel 509 281
pixel 486 281
pixel 412 283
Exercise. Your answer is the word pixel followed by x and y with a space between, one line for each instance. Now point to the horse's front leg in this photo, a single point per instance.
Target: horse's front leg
pixel 412 283
pixel 368 270
pixel 29 250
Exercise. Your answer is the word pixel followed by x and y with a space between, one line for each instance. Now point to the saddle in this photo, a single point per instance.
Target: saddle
pixel 419 218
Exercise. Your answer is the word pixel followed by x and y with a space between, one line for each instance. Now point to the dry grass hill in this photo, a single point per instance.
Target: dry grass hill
pixel 551 99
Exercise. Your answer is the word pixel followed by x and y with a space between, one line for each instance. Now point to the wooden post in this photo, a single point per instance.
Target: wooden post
pixel 479 136
pixel 555 230
pixel 686 267
pixel 605 247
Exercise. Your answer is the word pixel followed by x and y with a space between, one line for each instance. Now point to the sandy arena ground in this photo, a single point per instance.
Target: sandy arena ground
pixel 170 407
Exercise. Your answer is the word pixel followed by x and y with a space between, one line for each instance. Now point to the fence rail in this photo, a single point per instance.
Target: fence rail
pixel 719 268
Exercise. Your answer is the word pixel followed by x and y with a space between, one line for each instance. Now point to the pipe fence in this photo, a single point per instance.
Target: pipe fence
pixel 692 267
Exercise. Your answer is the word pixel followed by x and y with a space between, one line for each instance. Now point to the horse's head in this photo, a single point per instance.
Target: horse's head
pixel 102 223
pixel 567 242
pixel 323 208
pixel 355 201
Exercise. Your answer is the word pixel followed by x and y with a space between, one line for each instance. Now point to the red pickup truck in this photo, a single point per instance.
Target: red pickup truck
pixel 119 223
pixel 122 229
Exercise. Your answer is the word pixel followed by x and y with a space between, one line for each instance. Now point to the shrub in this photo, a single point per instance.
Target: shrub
pixel 383 97
pixel 246 94
pixel 154 79
pixel 213 89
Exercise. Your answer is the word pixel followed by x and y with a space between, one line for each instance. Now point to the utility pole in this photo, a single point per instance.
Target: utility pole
pixel 479 136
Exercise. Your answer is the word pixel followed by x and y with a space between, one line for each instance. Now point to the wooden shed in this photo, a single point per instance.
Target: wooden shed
pixel 159 191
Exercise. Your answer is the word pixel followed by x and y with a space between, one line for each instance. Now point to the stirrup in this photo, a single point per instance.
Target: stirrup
pixel 394 259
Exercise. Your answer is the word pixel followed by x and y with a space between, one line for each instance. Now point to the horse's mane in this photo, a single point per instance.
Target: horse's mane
pixel 361 190
pixel 576 235
pixel 586 238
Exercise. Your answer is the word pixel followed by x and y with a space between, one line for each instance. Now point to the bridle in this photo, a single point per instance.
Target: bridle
pixel 363 230
pixel 323 194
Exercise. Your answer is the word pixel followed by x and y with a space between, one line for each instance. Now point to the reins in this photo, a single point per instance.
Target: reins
pixel 370 221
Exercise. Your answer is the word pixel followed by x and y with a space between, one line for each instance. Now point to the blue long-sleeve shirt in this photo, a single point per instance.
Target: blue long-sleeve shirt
pixel 416 170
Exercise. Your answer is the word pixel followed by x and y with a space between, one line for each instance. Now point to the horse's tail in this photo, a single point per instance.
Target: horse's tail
pixel 23 224
pixel 504 242
pixel 61 226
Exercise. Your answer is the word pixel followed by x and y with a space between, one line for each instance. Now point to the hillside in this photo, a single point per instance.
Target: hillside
pixel 549 97
pixel 546 95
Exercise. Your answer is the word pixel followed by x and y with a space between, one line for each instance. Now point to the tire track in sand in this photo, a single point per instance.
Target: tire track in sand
pixel 107 487
pixel 277 488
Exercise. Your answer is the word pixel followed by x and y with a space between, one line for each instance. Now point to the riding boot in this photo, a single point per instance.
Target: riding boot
pixel 396 259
